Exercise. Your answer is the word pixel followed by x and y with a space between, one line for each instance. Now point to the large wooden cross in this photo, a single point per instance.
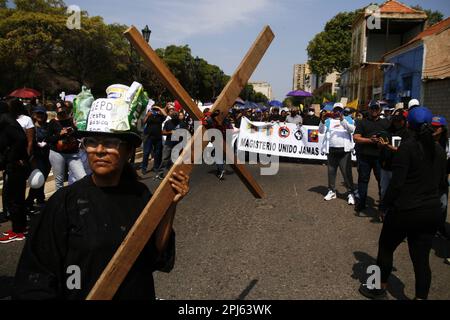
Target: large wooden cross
pixel 126 255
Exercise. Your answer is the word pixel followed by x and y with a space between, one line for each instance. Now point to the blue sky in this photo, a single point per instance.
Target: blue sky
pixel 221 31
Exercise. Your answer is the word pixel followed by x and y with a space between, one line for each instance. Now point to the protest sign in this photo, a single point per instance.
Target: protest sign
pixel 281 139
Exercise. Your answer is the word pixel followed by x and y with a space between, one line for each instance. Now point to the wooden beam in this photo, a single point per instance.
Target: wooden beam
pixel 122 261
pixel 154 62
pixel 243 73
pixel 242 172
pixel 158 66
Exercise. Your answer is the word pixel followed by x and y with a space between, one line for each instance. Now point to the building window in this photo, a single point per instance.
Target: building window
pixel 407 83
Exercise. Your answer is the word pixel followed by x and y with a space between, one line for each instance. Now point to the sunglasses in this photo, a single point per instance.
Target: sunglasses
pixel 107 143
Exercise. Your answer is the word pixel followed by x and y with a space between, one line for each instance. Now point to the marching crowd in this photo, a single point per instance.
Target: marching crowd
pixel 412 179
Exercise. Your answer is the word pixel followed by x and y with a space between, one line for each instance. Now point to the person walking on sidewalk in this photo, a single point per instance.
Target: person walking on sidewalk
pixel 366 137
pixel 338 145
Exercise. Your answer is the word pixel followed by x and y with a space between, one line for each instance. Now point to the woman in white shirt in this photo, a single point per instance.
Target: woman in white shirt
pixel 338 145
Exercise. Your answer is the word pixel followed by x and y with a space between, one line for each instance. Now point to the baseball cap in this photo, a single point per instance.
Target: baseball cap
pixel 419 116
pixel 374 105
pixel 412 103
pixel 439 121
pixel 338 105
pixel 39 109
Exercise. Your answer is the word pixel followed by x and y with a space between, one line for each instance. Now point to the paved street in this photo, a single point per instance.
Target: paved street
pixel 292 245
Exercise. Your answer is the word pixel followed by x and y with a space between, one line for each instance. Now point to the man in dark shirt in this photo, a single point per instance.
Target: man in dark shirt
pixel 275 115
pixel 366 137
pixel 311 119
pixel 169 127
pixel 153 140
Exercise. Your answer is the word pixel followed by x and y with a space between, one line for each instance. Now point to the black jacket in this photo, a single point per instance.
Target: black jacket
pixel 417 181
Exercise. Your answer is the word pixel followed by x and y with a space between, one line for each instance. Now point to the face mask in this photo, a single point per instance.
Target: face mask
pixel 310 113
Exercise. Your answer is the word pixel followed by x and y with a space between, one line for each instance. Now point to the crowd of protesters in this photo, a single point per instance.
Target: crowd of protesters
pixel 406 148
pixel 29 141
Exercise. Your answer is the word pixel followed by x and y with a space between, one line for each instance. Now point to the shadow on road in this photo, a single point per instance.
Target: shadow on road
pixel 322 190
pixel 6 286
pixel 441 247
pixel 247 290
pixel 396 287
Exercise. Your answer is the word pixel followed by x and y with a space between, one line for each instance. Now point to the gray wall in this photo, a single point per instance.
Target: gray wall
pixel 377 45
pixel 412 33
pixel 436 96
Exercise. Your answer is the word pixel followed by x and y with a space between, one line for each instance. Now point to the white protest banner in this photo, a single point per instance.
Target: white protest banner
pixel 281 139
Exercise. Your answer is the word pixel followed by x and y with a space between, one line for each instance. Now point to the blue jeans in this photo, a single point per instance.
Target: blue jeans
pixel 152 146
pixel 385 180
pixel 365 166
pixel 59 162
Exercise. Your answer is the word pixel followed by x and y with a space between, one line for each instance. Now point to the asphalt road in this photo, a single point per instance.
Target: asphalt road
pixel 291 245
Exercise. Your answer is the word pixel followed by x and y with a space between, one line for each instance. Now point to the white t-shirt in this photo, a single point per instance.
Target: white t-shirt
pixel 25 122
pixel 338 134
pixel 295 120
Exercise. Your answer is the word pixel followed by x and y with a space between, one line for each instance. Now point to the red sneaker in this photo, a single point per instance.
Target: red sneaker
pixel 12 237
pixel 9 232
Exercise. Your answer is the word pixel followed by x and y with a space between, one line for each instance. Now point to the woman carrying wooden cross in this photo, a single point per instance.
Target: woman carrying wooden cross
pixel 83 225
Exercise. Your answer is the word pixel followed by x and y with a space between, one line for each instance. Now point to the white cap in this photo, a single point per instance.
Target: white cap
pixel 36 179
pixel 338 105
pixel 413 102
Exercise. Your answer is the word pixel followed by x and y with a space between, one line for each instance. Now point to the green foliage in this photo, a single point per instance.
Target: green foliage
pixel 433 16
pixel 38 50
pixel 249 94
pixel 43 6
pixel 330 49
pixel 320 98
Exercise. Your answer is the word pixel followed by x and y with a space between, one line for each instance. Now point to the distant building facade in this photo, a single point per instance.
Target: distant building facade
pixel 375 33
pixel 301 76
pixel 263 87
pixel 325 84
pixel 420 69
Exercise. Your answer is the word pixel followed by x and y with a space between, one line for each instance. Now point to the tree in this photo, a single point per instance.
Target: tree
pixel 433 16
pixel 42 6
pixel 38 50
pixel 330 49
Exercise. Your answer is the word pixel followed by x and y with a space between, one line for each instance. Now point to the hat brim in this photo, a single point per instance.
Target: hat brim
pixel 133 138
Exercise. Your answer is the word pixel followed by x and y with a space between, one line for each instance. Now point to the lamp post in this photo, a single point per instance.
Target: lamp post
pixel 146 32
pixel 196 77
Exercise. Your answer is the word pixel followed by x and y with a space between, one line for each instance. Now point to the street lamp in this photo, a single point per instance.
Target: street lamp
pixel 146 32
pixel 135 62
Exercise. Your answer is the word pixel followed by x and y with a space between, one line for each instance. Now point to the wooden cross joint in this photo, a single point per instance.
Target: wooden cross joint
pixel 124 258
